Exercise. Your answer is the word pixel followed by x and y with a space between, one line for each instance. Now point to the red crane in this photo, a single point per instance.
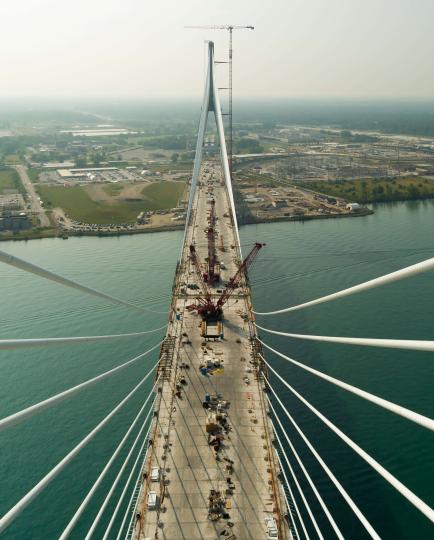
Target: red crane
pixel 206 308
pixel 205 301
pixel 242 270
pixel 211 276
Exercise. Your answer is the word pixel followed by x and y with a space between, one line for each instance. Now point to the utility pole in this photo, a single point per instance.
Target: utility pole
pixel 230 28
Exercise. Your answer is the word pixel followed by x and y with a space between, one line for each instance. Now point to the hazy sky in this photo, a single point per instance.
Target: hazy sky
pixel 139 48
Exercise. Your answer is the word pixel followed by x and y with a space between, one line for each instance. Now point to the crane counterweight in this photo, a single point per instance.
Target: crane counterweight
pixel 205 306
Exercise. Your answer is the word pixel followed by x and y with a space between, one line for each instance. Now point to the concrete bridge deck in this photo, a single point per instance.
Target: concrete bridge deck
pixel 242 474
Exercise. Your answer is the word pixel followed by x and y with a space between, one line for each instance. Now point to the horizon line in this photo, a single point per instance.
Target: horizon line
pixel 172 98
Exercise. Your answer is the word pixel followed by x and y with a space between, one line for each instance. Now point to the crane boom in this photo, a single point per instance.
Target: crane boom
pixel 205 290
pixel 206 307
pixel 234 281
pixel 211 276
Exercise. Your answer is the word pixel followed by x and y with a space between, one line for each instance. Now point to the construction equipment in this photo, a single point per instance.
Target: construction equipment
pixel 230 28
pixel 211 276
pixel 242 270
pixel 205 306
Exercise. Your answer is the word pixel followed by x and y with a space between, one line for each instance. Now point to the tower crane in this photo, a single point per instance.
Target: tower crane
pixel 230 28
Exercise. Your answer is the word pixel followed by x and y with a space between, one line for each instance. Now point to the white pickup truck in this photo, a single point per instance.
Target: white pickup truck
pixel 155 474
pixel 152 500
pixel 272 533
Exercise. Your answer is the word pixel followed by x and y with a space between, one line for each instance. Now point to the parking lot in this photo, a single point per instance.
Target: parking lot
pixel 89 176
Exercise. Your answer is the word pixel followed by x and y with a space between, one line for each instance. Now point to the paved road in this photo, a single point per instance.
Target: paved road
pixel 33 196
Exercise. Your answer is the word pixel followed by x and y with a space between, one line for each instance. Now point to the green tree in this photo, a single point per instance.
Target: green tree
pixel 81 161
pixel 364 191
pixel 413 192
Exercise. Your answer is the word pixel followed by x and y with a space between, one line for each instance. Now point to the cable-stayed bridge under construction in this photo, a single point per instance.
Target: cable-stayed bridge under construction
pixel 208 454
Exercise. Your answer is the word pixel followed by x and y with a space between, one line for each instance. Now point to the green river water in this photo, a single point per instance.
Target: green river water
pixel 301 261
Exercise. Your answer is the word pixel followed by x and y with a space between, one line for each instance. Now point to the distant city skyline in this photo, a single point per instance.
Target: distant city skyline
pixel 299 49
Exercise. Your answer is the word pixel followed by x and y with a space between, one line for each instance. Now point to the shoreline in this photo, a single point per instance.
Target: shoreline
pixel 56 233
pixel 245 220
pixel 251 220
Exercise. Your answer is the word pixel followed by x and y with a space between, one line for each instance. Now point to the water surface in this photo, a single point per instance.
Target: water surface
pixel 301 261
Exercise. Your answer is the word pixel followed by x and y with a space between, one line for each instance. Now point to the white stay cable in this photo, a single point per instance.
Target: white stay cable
pixel 43 342
pixel 131 508
pixel 411 344
pixel 221 137
pixel 342 491
pixel 291 494
pixel 28 411
pixel 303 498
pixel 16 510
pixel 127 483
pixel 308 477
pixel 121 470
pixel 68 529
pixel 52 276
pixel 418 268
pixel 392 480
pixel 417 418
pixel 199 151
pixel 291 517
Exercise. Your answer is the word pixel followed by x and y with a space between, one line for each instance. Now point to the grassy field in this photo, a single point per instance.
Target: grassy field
pixel 12 159
pixel 113 189
pixel 9 179
pixel 31 234
pixel 174 167
pixel 162 195
pixel 34 174
pixel 378 190
pixel 77 203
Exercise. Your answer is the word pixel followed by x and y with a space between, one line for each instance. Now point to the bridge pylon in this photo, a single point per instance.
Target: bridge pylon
pixel 211 470
pixel 211 103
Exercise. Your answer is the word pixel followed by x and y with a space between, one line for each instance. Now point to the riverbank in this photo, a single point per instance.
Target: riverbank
pixel 378 190
pixel 57 233
pixel 244 220
pixel 251 219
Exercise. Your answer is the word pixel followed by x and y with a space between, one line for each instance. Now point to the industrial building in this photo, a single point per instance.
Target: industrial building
pixel 86 173
pixel 11 201
pixel 14 221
